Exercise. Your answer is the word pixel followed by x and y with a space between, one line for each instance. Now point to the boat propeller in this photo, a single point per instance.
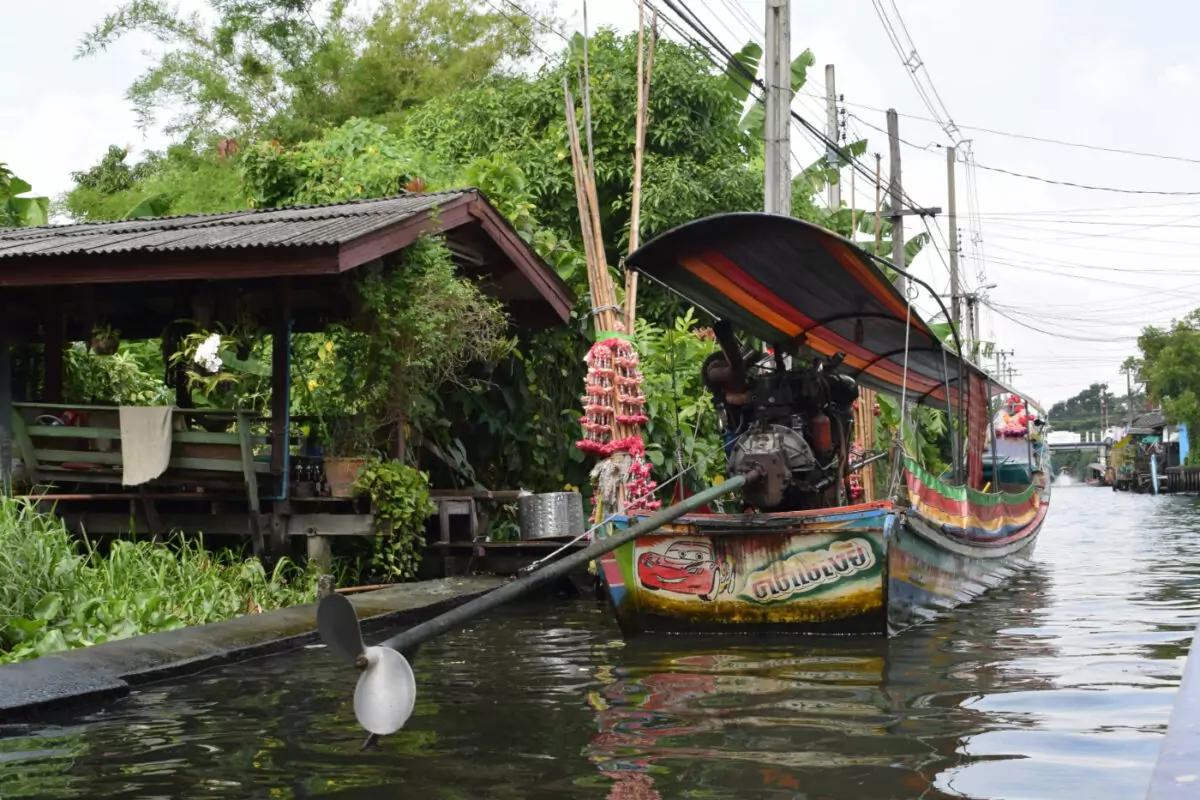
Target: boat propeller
pixel 387 688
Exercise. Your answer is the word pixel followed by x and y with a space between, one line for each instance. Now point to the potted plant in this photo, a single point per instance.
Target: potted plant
pixel 349 443
pixel 105 340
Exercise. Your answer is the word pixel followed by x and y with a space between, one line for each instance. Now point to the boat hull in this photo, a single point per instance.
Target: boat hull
pixel 873 569
pixel 801 573
pixel 930 573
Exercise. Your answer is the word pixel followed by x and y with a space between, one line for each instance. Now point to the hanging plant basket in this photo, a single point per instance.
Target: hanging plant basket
pixel 105 344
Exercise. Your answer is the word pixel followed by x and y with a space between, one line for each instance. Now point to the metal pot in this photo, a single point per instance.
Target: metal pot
pixel 550 515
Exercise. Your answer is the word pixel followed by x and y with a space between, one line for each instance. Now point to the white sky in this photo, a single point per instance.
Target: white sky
pixel 1093 265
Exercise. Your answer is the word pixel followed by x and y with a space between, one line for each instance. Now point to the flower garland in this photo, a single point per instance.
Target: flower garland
pixel 613 397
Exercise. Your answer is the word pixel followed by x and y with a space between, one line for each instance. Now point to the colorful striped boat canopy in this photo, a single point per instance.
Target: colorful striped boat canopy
pixel 785 280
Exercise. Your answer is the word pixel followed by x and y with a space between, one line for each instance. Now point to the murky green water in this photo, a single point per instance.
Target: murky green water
pixel 1058 686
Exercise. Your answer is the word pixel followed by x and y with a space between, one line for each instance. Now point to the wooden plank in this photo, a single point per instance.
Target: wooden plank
pixel 187 412
pixel 533 544
pixel 6 416
pixel 52 373
pixel 28 454
pixel 331 525
pixel 114 459
pixel 183 437
pixel 120 524
pixel 243 426
pixel 281 377
pixel 94 496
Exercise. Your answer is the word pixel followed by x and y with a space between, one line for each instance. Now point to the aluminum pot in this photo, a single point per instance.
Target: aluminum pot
pixel 550 515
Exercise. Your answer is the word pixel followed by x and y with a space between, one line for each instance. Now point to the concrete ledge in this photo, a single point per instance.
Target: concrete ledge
pixel 1177 773
pixel 108 670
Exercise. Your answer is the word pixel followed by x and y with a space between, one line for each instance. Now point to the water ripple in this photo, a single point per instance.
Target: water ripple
pixel 1058 685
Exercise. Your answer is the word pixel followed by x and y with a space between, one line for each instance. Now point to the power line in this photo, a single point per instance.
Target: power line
pixel 1042 139
pixel 1088 187
pixel 1157 192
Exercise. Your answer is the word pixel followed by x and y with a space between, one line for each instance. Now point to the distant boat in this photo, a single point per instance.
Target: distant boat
pixel 816 552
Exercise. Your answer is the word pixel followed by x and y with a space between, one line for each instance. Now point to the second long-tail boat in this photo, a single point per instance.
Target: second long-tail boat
pixel 810 329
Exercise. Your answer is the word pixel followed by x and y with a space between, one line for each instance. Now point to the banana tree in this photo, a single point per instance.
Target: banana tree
pixel 20 212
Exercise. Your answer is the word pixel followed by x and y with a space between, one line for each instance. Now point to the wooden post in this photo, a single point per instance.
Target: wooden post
pixel 281 381
pixel 319 550
pixel 6 413
pixel 251 479
pixel 52 359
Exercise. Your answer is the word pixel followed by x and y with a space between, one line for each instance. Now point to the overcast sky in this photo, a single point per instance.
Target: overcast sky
pixel 1087 269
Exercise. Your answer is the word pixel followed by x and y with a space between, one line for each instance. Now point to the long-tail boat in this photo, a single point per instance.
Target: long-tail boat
pixel 812 549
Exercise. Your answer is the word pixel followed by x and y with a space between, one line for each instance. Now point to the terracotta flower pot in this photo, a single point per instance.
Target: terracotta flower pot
pixel 342 473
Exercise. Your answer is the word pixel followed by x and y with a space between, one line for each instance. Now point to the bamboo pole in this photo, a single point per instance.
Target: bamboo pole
pixel 644 71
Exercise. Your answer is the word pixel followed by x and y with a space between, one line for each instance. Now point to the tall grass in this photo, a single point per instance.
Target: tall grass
pixel 59 592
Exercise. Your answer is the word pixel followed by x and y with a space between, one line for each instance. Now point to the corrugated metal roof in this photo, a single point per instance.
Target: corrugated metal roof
pixel 334 223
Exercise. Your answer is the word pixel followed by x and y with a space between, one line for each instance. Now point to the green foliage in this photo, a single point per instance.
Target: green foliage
pixel 244 377
pixel 357 160
pixel 131 376
pixel 20 212
pixel 400 495
pixel 923 440
pixel 1082 412
pixel 289 68
pixel 181 181
pixel 1169 368
pixel 421 327
pixel 680 408
pixel 697 162
pixel 57 593
pixel 424 324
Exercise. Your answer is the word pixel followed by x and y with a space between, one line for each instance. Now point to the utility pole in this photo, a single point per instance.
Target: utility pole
pixel 955 287
pixel 878 199
pixel 1103 407
pixel 894 194
pixel 831 132
pixel 896 199
pixel 1128 395
pixel 777 122
pixel 1002 366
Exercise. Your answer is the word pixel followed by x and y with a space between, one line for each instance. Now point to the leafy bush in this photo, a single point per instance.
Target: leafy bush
pixel 682 432
pixel 57 592
pixel 401 498
pixel 133 375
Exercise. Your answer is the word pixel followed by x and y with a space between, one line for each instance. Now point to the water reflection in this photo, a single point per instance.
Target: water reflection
pixel 1058 685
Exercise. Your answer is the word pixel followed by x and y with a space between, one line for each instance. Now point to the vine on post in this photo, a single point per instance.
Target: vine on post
pixel 400 495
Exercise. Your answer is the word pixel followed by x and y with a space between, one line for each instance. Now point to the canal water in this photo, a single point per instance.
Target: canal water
pixel 1058 686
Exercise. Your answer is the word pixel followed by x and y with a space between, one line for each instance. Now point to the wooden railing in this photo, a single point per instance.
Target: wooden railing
pixel 91 453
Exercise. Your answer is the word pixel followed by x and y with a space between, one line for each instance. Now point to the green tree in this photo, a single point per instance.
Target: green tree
pixel 289 68
pixel 183 180
pixel 18 212
pixel 1169 367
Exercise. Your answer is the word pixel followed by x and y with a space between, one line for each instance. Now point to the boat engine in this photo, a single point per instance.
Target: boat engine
pixel 792 421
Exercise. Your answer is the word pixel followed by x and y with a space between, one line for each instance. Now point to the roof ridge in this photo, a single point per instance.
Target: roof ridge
pixel 216 216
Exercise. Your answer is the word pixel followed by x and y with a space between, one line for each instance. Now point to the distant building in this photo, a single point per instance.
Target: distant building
pixel 1063 437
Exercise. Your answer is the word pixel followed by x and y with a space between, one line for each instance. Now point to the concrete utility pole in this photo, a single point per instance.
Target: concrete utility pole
pixel 831 131
pixel 1128 396
pixel 894 194
pixel 896 199
pixel 777 121
pixel 1103 407
pixel 955 287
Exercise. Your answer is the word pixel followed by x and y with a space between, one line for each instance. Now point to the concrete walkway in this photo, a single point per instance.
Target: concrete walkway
pixel 108 670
